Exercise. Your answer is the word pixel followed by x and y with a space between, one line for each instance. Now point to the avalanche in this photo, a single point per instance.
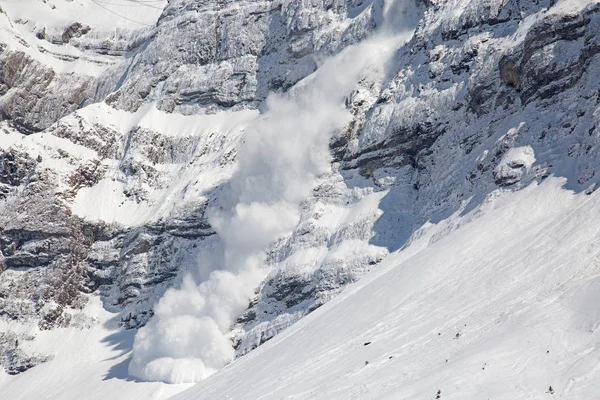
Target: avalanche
pixel 279 161
pixel 496 303
pixel 334 199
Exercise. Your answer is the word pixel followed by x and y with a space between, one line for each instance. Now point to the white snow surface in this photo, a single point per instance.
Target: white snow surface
pixel 112 20
pixel 96 13
pixel 501 308
pixel 89 361
pixel 219 132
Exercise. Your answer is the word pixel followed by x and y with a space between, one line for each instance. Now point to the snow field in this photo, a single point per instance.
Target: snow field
pixel 501 308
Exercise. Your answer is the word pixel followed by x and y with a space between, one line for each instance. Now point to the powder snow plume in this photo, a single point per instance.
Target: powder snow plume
pixel 282 155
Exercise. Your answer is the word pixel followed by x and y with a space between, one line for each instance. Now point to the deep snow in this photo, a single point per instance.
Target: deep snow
pixel 89 360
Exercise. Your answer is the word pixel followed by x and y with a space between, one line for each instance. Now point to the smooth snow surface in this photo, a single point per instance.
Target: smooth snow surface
pixel 502 308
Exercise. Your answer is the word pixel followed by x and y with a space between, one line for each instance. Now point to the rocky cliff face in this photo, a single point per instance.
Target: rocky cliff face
pixel 113 144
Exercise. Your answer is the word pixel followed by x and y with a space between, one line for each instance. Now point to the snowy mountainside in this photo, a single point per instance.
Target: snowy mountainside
pixel 117 138
pixel 461 318
pixel 53 51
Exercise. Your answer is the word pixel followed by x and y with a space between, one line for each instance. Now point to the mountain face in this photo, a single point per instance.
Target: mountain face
pixel 124 126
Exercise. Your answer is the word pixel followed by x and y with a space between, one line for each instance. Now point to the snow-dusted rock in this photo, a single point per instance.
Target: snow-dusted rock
pixel 133 133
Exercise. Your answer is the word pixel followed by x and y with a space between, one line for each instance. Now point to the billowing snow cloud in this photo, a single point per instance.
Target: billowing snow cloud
pixel 282 155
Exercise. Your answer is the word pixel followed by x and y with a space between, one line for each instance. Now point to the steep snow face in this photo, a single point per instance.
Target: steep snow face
pixel 97 14
pixel 503 307
pixel 448 128
pixel 88 360
pixel 191 160
pixel 53 52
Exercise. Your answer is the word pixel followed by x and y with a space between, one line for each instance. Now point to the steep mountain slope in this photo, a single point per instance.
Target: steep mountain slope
pixel 120 140
pixel 502 308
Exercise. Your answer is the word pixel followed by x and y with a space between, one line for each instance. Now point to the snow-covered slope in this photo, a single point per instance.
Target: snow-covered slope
pixel 505 307
pixel 89 361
